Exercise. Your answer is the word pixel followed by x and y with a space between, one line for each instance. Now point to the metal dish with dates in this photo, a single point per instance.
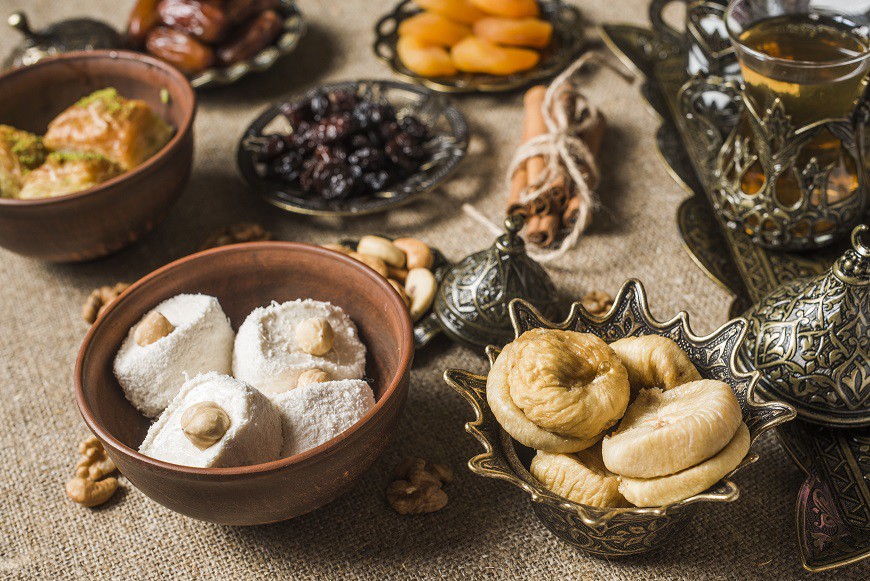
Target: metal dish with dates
pixel 567 42
pixel 205 42
pixel 444 147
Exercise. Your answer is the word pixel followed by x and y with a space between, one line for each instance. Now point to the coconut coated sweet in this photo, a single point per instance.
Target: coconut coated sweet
pixel 268 356
pixel 253 435
pixel 314 414
pixel 202 341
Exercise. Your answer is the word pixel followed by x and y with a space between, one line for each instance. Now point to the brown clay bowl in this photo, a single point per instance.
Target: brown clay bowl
pixel 244 277
pixel 104 219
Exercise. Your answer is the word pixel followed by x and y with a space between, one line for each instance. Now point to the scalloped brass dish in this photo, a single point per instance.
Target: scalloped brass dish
pixel 609 533
pixel 568 41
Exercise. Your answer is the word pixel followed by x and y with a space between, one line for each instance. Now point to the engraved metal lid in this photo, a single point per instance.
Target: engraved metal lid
pixel 810 339
pixel 472 302
pixel 76 34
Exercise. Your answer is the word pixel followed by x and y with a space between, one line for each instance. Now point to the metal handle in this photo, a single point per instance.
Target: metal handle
pixel 656 9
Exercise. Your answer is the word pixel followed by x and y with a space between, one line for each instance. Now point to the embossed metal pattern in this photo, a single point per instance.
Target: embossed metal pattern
pixel 76 34
pixel 473 300
pixel 776 146
pixel 659 55
pixel 447 147
pixel 626 531
pixel 810 339
pixel 568 40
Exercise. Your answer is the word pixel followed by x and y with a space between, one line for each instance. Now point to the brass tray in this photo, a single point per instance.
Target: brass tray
pixel 568 41
pixel 827 538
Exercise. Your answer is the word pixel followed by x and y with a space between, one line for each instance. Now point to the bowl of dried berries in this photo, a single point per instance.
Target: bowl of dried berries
pixel 353 148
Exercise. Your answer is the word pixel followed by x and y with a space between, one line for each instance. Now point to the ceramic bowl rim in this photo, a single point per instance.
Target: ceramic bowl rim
pixel 406 356
pixel 134 59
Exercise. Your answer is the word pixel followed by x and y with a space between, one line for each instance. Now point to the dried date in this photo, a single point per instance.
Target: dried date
pixel 143 18
pixel 197 18
pixel 241 11
pixel 251 39
pixel 184 52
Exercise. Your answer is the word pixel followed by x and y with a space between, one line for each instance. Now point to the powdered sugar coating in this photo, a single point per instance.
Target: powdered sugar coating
pixel 202 341
pixel 316 413
pixel 254 435
pixel 267 355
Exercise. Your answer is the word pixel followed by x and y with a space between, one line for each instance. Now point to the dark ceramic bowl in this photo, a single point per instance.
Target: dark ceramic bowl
pixel 616 532
pixel 244 277
pixel 104 219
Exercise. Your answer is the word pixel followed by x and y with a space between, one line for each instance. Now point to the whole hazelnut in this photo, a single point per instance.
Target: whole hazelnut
pixel 315 336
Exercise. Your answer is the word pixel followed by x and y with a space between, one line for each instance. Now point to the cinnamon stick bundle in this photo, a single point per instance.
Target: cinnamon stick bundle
pixel 558 206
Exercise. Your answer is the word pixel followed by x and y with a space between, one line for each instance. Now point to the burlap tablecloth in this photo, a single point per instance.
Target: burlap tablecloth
pixel 488 528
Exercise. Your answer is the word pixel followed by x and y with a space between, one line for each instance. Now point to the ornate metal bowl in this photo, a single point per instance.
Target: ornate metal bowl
pixel 294 28
pixel 447 147
pixel 567 42
pixel 609 533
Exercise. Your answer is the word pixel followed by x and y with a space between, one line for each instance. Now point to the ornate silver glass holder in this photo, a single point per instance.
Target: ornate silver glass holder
pixel 777 147
pixel 836 461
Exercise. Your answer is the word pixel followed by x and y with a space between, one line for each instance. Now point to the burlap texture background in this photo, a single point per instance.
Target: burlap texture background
pixel 488 529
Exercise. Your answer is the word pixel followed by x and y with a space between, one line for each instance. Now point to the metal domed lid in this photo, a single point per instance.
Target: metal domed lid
pixel 810 339
pixel 472 301
pixel 65 36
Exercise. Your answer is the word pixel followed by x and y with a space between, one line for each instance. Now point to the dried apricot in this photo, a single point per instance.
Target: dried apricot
pixel 434 29
pixel 475 55
pixel 425 59
pixel 456 10
pixel 508 8
pixel 514 32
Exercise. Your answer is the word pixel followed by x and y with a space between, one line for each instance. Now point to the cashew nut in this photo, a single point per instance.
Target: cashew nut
pixel 338 248
pixel 421 287
pixel 418 254
pixel 90 493
pixel 372 262
pixel 152 328
pixel 399 274
pixel 315 336
pixel 204 424
pixel 312 376
pixel 383 249
pixel 401 290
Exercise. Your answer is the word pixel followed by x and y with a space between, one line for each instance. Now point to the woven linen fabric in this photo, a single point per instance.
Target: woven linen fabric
pixel 488 529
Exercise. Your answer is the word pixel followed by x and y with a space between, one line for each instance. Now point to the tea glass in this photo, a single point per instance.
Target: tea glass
pixel 792 172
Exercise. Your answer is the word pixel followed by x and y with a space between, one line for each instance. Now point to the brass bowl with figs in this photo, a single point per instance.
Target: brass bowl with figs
pixel 615 532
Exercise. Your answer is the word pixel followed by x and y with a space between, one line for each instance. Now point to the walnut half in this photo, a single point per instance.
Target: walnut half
pixel 417 487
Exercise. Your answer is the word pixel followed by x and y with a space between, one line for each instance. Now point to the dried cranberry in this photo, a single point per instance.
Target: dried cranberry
pixel 335 181
pixel 342 101
pixel 297 112
pixel 319 104
pixel 376 181
pixel 413 126
pixel 367 158
pixel 271 148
